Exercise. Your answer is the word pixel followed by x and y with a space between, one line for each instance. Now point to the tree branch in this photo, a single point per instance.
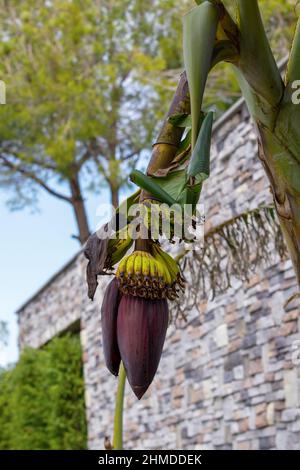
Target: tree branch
pixel 14 148
pixel 93 150
pixel 17 168
pixel 132 154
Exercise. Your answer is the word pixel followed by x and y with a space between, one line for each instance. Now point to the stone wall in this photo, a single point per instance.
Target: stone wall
pixel 229 378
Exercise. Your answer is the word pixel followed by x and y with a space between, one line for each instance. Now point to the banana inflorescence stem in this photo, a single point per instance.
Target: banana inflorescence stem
pixel 142 244
pixel 118 422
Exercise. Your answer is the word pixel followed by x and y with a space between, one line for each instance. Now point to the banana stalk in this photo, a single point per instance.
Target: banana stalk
pixel 277 119
pixel 169 138
pixel 257 62
pixel 293 69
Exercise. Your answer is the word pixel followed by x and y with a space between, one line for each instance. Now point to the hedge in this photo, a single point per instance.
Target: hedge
pixel 42 399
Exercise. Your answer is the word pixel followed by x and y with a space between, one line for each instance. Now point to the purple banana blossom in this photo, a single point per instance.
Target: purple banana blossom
pixel 134 331
pixel 142 327
pixel 109 314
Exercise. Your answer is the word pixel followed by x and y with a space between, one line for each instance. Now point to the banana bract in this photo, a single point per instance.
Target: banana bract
pixel 142 327
pixel 109 314
pixel 134 331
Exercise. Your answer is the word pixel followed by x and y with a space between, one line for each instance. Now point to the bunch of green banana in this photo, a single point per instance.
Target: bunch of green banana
pixel 150 276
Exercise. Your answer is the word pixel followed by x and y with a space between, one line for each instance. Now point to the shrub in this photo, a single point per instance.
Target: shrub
pixel 42 399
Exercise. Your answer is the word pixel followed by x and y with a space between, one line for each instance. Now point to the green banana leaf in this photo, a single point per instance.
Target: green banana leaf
pixel 176 184
pixel 173 183
pixel 151 185
pixel 199 32
pixel 185 143
pixel 257 62
pixel 180 120
pixel 174 187
pixel 293 69
pixel 200 159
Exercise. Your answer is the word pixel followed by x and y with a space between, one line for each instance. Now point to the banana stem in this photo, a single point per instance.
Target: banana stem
pixel 168 140
pixel 118 422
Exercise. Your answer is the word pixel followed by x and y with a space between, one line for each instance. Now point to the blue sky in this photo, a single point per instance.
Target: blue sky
pixel 32 247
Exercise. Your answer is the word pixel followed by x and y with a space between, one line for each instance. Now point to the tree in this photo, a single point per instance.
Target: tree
pixel 83 94
pixel 87 83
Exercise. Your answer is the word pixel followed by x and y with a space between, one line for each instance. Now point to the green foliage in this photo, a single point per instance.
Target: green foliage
pixel 5 410
pixel 200 159
pixel 280 18
pixel 199 23
pixel 148 184
pixel 42 399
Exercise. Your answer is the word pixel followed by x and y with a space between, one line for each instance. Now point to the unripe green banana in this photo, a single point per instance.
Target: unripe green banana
pixel 160 269
pixel 145 266
pixel 153 268
pixel 167 275
pixel 121 271
pixel 130 264
pixel 138 263
pixel 171 264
